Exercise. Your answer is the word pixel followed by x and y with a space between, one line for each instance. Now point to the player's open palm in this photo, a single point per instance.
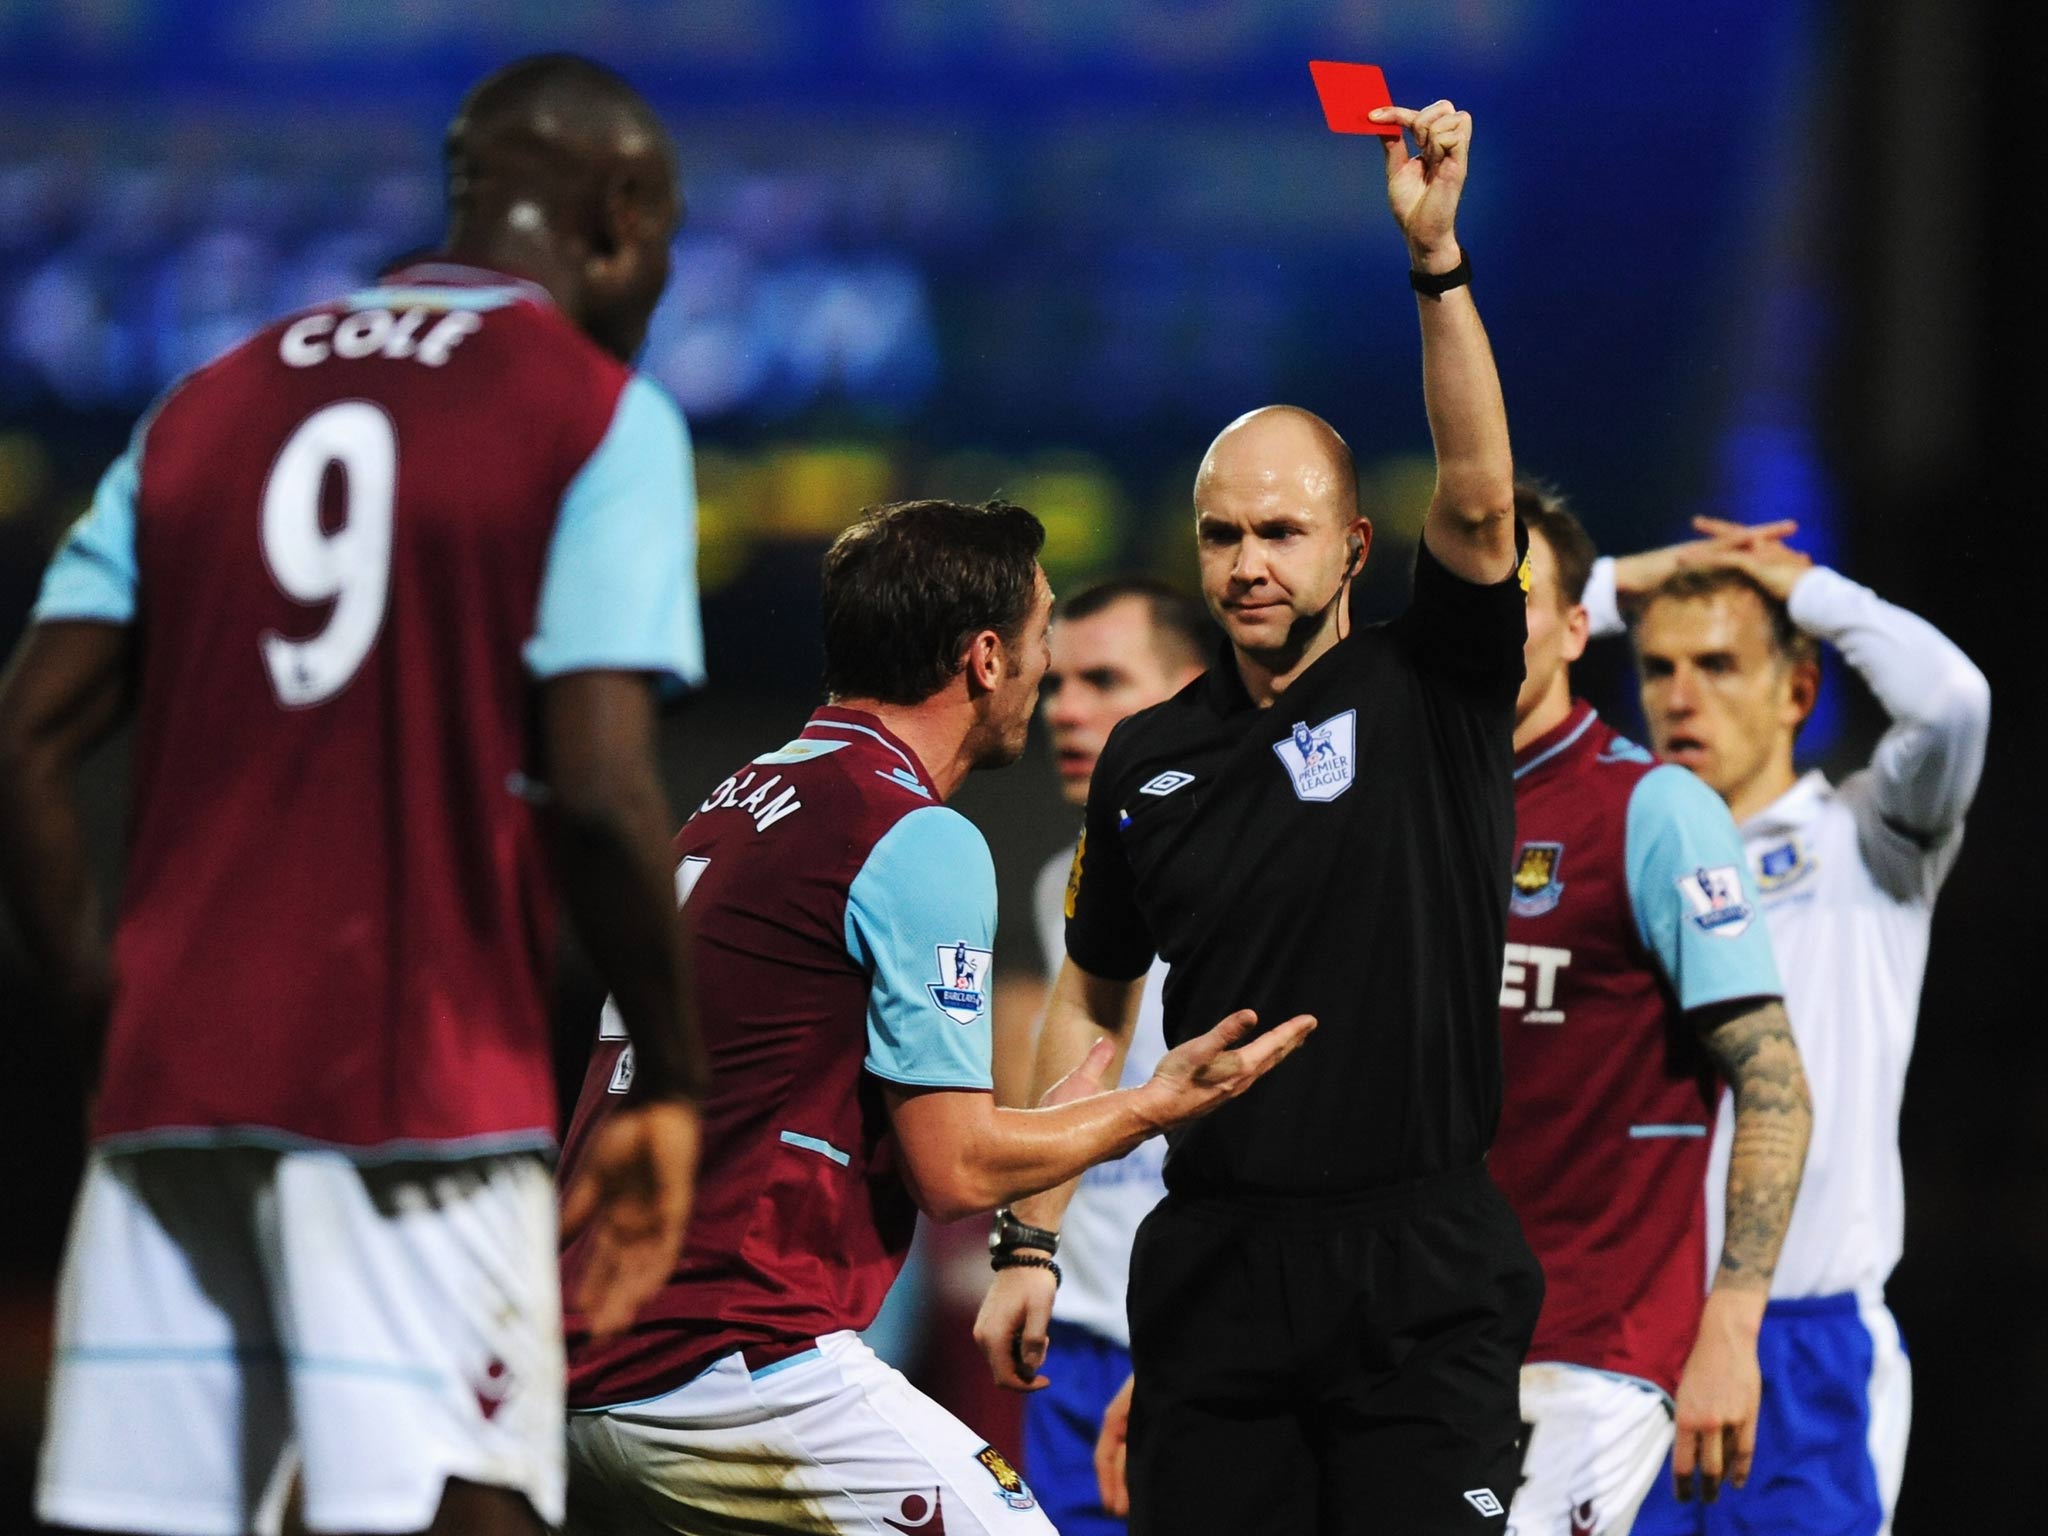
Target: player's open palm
pixel 1423 186
pixel 1201 1074
pixel 634 1192
pixel 1718 1395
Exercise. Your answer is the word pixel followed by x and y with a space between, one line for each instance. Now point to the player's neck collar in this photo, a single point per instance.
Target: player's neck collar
pixel 1557 741
pixel 441 272
pixel 834 722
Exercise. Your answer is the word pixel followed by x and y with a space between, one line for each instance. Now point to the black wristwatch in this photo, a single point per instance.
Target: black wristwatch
pixel 1008 1234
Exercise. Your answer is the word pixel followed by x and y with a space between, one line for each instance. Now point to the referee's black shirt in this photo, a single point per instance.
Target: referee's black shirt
pixel 1344 853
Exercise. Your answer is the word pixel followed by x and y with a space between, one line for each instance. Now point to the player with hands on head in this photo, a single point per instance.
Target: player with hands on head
pixel 1727 631
pixel 842 920
pixel 1333 1295
pixel 388 590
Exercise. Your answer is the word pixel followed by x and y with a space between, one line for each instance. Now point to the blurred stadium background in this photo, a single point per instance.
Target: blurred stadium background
pixel 1742 258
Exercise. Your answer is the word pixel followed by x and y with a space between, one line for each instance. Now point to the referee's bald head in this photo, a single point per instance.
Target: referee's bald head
pixel 1282 450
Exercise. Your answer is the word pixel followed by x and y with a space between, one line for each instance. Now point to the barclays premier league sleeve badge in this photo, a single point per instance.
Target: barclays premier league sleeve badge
pixel 1718 904
pixel 961 992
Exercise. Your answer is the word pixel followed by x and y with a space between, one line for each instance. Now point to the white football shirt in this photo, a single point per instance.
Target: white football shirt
pixel 1102 1218
pixel 1848 875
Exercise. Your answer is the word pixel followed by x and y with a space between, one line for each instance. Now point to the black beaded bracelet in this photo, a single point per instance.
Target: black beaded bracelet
pixel 1027 1261
pixel 1436 284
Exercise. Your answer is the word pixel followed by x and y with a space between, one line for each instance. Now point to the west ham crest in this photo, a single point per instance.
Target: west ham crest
pixel 1537 888
pixel 1322 760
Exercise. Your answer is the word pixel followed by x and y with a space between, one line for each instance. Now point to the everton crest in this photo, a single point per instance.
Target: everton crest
pixel 1322 760
pixel 1537 888
pixel 1784 864
pixel 961 992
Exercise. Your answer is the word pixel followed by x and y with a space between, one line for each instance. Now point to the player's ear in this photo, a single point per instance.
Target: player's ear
pixel 1578 630
pixel 625 220
pixel 1802 691
pixel 984 662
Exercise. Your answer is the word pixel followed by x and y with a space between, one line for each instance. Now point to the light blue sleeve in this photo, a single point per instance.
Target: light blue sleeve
pixel 93 574
pixel 620 592
pixel 921 920
pixel 1695 901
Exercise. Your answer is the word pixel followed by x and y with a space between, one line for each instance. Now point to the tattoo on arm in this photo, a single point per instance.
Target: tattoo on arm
pixel 1773 1122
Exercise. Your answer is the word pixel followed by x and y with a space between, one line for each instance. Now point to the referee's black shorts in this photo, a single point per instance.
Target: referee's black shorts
pixel 1333 1365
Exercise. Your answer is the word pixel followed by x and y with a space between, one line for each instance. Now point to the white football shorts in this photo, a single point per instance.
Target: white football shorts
pixel 227 1313
pixel 829 1440
pixel 1596 1443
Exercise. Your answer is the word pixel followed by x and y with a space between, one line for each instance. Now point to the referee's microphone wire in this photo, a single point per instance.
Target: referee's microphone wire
pixel 1352 551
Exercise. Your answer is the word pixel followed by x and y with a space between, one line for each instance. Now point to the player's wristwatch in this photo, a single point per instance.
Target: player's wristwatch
pixel 1008 1234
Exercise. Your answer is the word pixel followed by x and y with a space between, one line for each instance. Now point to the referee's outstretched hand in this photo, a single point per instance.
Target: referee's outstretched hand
pixel 1207 1072
pixel 1423 187
pixel 1112 1452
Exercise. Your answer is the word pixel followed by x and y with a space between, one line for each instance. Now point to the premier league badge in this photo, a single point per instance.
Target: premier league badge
pixel 1536 888
pixel 1322 760
pixel 961 991
pixel 1716 898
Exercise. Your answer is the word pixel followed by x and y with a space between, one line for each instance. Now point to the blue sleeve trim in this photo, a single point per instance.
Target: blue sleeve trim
pixel 921 920
pixel 620 592
pixel 1695 901
pixel 818 1145
pixel 93 574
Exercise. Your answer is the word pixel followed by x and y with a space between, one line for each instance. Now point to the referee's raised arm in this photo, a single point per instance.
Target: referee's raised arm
pixel 1470 527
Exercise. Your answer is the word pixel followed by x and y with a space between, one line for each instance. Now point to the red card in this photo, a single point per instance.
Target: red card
pixel 1349 92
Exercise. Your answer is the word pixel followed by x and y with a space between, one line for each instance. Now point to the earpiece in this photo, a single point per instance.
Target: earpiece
pixel 1351 554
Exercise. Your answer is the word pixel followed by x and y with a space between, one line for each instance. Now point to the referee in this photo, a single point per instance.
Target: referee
pixel 1329 1309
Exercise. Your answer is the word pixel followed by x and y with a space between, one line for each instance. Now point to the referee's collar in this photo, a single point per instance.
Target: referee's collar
pixel 832 723
pixel 1224 684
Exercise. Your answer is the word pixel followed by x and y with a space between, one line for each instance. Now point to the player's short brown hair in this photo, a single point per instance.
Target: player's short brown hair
pixel 1543 511
pixel 911 582
pixel 1690 583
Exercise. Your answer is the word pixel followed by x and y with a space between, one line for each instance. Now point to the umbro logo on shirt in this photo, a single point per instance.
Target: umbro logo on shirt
pixel 1482 1499
pixel 1166 783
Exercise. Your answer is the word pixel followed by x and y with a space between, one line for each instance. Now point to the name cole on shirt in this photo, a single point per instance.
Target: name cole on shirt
pixel 377 332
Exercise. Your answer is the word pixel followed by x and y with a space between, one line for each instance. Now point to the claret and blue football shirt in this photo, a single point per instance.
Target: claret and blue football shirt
pixel 842 922
pixel 348 549
pixel 1632 908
